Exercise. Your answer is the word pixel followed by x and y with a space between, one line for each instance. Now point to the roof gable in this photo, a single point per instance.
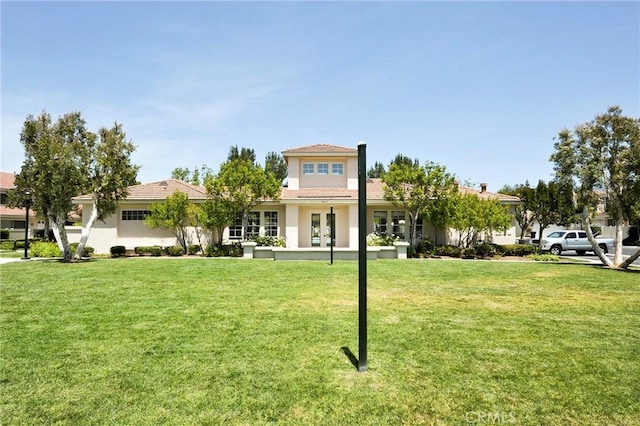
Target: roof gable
pixel 320 150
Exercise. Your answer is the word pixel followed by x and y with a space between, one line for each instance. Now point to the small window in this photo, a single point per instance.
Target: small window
pixel 380 222
pixel 253 224
pixel 134 214
pixel 570 235
pixel 582 235
pixel 323 168
pixel 235 230
pixel 337 168
pixel 307 169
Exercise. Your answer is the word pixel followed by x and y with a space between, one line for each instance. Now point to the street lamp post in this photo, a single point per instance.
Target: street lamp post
pixel 27 204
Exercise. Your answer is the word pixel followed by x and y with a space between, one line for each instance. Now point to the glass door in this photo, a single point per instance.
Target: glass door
pixel 330 220
pixel 315 230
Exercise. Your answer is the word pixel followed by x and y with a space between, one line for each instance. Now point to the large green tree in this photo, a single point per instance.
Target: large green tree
pixel 551 203
pixel 475 216
pixel 522 213
pixel 64 159
pixel 175 214
pixel 274 163
pixel 245 186
pixel 376 171
pixel 602 154
pixel 110 174
pixel 416 189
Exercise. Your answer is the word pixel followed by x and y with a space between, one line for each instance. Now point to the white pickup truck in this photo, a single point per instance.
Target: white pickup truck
pixel 559 241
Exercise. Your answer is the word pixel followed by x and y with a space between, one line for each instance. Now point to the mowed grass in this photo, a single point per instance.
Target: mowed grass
pixel 233 341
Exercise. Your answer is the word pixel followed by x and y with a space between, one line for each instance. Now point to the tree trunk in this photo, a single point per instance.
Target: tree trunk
pixel 630 260
pixel 542 228
pixel 617 254
pixel 594 244
pixel 86 231
pixel 57 225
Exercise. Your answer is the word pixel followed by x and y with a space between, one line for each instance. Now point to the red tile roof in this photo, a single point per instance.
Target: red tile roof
pixel 7 180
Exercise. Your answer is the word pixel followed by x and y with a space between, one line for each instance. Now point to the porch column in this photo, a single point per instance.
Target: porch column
pixel 353 226
pixel 291 226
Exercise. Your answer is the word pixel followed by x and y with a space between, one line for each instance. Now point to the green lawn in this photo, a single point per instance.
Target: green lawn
pixel 233 341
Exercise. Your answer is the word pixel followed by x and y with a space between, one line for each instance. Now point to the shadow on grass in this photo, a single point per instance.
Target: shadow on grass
pixel 352 358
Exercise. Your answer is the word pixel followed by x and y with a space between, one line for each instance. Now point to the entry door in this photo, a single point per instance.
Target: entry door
pixel 328 227
pixel 316 230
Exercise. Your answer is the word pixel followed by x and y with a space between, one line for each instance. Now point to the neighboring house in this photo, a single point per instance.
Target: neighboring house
pixel 321 177
pixel 13 219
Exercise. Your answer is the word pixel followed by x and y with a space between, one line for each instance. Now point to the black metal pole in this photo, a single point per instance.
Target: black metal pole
pixel 332 232
pixel 362 256
pixel 26 227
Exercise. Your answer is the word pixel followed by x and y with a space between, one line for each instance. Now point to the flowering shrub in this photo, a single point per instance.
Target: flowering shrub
pixel 267 241
pixel 375 239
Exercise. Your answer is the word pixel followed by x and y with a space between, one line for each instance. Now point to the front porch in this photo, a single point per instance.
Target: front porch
pixel 251 251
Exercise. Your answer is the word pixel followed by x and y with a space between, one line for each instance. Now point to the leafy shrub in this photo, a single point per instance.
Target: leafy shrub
pixel 544 257
pixel 268 241
pixel 4 234
pixel 19 244
pixel 87 252
pixel 634 237
pixel 469 253
pixel 7 245
pixel 218 250
pixel 375 239
pixel 152 250
pixel 193 249
pixel 518 249
pixel 485 250
pixel 117 251
pixel 424 248
pixel 447 250
pixel 44 249
pixel 175 251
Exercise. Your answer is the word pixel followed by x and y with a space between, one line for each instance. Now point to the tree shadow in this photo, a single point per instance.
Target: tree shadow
pixel 352 358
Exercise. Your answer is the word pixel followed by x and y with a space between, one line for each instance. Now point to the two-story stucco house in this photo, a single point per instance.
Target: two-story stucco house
pixel 321 178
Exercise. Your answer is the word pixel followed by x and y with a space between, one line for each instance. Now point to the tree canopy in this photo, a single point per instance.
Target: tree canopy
pixel 64 159
pixel 416 188
pixel 602 156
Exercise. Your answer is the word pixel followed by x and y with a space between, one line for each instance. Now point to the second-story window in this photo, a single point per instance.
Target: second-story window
pixel 307 169
pixel 323 168
pixel 337 168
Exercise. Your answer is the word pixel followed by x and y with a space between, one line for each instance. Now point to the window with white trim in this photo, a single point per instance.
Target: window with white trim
pixel 307 168
pixel 323 168
pixel 253 224
pixel 337 169
pixel 397 219
pixel 271 224
pixel 235 230
pixel 380 222
pixel 134 214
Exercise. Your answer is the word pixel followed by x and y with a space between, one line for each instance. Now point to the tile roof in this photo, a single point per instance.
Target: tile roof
pixel 7 180
pixel 7 211
pixel 324 149
pixel 156 191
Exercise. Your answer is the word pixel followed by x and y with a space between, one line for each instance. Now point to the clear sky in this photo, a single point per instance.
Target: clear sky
pixel 480 87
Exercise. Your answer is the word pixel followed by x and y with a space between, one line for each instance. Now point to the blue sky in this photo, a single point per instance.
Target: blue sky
pixel 480 87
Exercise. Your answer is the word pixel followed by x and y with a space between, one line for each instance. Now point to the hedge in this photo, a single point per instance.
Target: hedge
pixel 117 251
pixel 175 250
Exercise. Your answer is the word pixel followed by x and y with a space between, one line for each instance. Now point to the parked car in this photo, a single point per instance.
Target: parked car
pixel 559 241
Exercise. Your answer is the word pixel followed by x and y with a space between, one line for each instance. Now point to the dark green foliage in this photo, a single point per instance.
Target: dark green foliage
pixel 634 238
pixel 86 252
pixel 4 234
pixel 447 250
pixel 151 250
pixel 193 249
pixel 485 250
pixel 227 250
pixel 175 251
pixel 117 251
pixel 517 249
pixel 469 253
